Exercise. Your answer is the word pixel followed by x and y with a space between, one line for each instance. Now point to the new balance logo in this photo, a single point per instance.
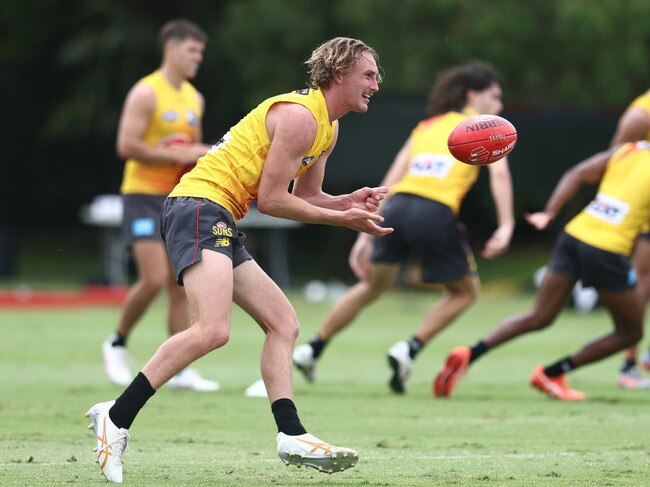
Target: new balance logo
pixel 222 242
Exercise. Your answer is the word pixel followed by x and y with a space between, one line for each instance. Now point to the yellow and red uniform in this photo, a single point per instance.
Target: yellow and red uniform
pixel 175 121
pixel 229 174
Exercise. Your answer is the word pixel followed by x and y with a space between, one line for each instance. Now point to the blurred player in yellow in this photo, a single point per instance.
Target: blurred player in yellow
pixel 634 124
pixel 160 137
pixel 287 138
pixel 594 247
pixel 427 186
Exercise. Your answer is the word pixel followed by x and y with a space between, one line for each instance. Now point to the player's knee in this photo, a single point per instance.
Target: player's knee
pixel 216 338
pixel 634 335
pixel 154 281
pixel 290 329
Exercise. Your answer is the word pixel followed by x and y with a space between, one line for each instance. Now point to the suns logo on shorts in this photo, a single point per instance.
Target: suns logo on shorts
pixel 221 229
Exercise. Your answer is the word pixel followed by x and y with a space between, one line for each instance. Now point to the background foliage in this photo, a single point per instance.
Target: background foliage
pixel 570 68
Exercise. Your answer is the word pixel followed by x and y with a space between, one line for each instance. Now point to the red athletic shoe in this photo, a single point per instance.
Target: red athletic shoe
pixel 455 368
pixel 554 387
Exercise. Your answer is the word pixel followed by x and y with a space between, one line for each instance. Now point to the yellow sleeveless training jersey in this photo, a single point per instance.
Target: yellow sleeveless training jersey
pixel 229 174
pixel 621 208
pixel 175 122
pixel 642 102
pixel 433 172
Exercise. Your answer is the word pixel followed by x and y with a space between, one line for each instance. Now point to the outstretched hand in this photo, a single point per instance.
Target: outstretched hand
pixel 540 220
pixel 368 198
pixel 498 243
pixel 365 221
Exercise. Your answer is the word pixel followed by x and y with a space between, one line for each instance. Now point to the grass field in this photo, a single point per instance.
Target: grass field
pixel 495 430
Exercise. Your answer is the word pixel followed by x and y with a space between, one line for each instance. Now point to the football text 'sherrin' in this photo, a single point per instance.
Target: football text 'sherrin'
pixel 484 125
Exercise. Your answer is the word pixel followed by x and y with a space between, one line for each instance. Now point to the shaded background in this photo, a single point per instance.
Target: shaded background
pixel 570 68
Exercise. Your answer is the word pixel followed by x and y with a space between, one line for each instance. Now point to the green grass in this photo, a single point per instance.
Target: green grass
pixel 494 431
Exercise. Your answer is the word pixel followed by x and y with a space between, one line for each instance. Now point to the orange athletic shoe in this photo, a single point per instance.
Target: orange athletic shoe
pixel 455 368
pixel 554 387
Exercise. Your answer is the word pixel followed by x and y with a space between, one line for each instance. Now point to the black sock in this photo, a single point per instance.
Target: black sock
pixel 560 367
pixel 317 345
pixel 477 350
pixel 628 365
pixel 415 345
pixel 128 405
pixel 286 417
pixel 119 341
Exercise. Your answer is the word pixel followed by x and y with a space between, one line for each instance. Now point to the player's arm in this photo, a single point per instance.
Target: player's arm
pixel 138 109
pixel 292 130
pixel 309 187
pixel 589 171
pixel 501 188
pixel 198 133
pixel 633 125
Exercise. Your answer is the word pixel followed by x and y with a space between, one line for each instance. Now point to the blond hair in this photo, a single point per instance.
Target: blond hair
pixel 336 56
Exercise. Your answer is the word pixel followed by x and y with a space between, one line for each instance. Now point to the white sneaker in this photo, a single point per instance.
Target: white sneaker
pixel 192 380
pixel 632 379
pixel 116 362
pixel 112 442
pixel 303 359
pixel 256 389
pixel 401 362
pixel 310 451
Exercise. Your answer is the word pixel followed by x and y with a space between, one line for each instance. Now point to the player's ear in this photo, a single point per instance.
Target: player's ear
pixel 470 97
pixel 338 79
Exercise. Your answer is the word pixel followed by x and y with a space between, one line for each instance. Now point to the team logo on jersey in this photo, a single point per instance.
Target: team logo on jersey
pixel 307 160
pixel 304 91
pixel 192 118
pixel 170 116
pixel 608 209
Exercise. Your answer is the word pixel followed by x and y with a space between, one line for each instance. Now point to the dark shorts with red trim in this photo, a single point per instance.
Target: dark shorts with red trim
pixel 141 220
pixel 190 225
pixel 428 231
pixel 593 266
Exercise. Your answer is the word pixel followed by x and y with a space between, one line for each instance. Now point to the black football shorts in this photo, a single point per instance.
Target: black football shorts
pixel 141 219
pixel 428 232
pixel 594 267
pixel 190 225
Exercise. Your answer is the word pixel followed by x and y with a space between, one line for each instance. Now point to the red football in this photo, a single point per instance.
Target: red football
pixel 482 139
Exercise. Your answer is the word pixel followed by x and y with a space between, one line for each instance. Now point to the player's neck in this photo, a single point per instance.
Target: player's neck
pixel 173 77
pixel 335 107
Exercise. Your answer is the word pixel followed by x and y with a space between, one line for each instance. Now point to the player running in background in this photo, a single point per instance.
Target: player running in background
pixel 427 186
pixel 160 136
pixel 634 124
pixel 286 138
pixel 595 247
